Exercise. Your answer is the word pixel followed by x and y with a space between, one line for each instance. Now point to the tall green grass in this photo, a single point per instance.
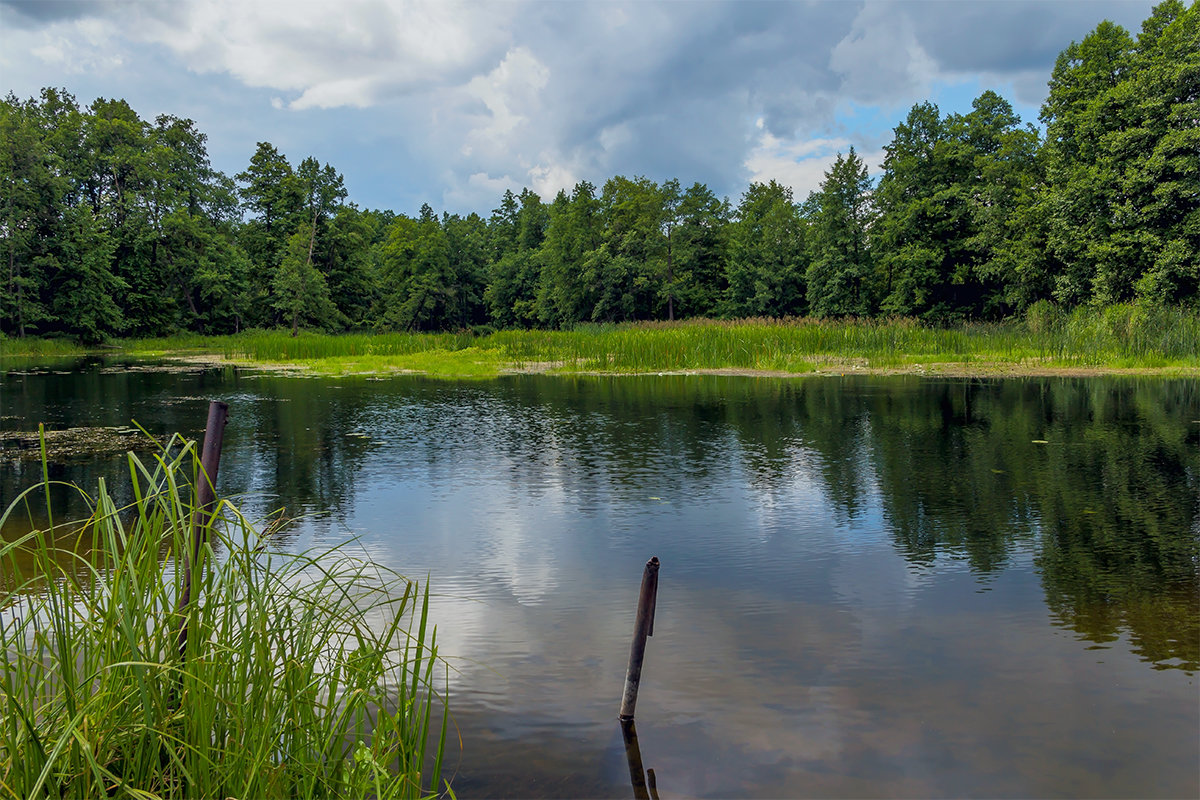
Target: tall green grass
pixel 306 675
pixel 30 347
pixel 16 353
pixel 1119 336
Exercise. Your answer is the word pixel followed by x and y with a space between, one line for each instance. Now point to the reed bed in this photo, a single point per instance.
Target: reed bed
pixel 1121 336
pixel 307 675
pixel 30 347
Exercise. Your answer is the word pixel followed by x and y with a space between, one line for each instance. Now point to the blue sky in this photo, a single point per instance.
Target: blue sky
pixel 451 103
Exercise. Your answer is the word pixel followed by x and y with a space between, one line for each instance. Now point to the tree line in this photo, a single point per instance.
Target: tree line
pixel 115 225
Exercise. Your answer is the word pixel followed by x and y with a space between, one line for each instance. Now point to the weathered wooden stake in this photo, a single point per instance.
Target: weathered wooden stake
pixel 210 460
pixel 643 627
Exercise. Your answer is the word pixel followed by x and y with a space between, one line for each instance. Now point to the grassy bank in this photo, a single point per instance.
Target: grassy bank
pixel 303 676
pixel 1123 337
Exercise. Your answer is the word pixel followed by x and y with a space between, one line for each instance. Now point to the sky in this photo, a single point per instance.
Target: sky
pixel 450 103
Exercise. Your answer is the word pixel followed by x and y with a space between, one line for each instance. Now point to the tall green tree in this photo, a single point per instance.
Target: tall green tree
pixel 120 183
pixel 299 289
pixel 1006 237
pixel 571 268
pixel 349 257
pixel 32 194
pixel 272 201
pixel 1123 189
pixel 699 243
pixel 672 197
pixel 840 276
pixel 631 278
pixel 467 242
pixel 191 210
pixel 1163 186
pixel 924 219
pixel 82 284
pixel 513 275
pixel 957 235
pixel 1081 111
pixel 767 255
pixel 418 289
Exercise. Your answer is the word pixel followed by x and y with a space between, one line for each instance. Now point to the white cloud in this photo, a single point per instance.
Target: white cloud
pixel 479 192
pixel 881 61
pixel 548 179
pixel 511 93
pixel 799 163
pixel 78 46
pixel 498 122
pixel 355 92
pixel 334 54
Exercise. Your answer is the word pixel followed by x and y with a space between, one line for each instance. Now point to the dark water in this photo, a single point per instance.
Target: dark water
pixel 870 587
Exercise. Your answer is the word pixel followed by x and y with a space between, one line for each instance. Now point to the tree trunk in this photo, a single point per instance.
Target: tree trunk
pixel 187 293
pixel 670 280
pixel 312 236
pixel 12 284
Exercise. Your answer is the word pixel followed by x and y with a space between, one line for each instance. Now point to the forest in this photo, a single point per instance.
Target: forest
pixel 116 226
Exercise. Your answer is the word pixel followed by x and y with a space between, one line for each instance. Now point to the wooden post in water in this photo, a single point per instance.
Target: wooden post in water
pixel 643 627
pixel 206 495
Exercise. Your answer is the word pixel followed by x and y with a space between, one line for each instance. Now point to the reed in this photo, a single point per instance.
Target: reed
pixel 1127 336
pixel 31 347
pixel 1120 336
pixel 307 675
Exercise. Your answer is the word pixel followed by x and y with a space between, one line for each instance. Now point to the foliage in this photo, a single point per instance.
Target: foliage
pixel 767 255
pixel 840 277
pixel 114 225
pixel 1123 190
pixel 300 290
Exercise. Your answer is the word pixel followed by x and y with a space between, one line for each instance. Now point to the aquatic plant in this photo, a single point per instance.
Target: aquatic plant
pixel 303 675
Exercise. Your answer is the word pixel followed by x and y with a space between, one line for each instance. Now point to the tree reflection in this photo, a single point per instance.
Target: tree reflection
pixel 1102 473
pixel 1097 480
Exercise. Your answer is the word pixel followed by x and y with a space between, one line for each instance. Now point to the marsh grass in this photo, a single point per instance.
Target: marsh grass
pixel 39 348
pixel 1117 337
pixel 306 675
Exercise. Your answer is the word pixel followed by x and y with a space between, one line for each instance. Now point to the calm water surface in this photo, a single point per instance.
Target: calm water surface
pixel 870 587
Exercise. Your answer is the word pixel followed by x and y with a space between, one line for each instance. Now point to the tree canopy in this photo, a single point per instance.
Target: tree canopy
pixel 114 225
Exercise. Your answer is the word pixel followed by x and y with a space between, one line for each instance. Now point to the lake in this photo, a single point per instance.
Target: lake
pixel 870 586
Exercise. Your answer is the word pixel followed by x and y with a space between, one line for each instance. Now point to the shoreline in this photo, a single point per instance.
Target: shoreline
pixel 830 369
pixel 827 367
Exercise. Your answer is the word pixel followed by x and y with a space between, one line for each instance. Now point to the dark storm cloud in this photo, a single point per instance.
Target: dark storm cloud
pixel 999 36
pixel 673 89
pixel 33 13
pixel 478 96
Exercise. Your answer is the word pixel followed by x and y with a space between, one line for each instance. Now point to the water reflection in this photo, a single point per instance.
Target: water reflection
pixel 878 586
pixel 643 781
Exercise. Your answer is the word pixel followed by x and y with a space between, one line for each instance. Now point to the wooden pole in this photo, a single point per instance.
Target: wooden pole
pixel 643 627
pixel 206 496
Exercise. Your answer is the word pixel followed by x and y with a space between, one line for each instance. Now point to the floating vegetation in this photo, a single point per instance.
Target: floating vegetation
pixel 75 443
